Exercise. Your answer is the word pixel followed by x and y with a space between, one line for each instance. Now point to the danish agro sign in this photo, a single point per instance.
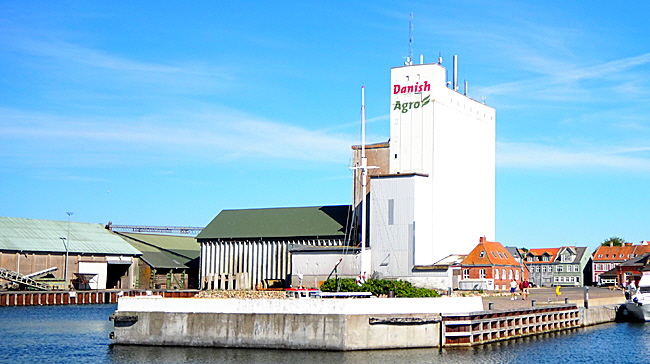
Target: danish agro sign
pixel 404 107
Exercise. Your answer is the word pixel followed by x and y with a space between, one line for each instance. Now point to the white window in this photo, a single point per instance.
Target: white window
pixel 576 268
pixel 465 273
pixel 559 268
pixel 516 275
pixel 503 274
pixel 481 273
pixel 482 254
pixel 510 275
pixel 578 279
pixel 496 274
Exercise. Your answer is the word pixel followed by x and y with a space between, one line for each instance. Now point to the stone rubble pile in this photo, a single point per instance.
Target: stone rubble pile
pixel 243 294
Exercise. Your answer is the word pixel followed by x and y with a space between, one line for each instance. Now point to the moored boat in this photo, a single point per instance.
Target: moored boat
pixel 638 304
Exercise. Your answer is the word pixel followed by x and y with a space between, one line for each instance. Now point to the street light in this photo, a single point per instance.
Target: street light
pixel 66 248
pixel 65 274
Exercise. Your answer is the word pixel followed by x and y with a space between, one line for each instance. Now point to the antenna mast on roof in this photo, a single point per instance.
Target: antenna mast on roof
pixel 409 59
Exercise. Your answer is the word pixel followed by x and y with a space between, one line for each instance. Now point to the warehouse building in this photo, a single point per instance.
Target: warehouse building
pixel 72 254
pixel 167 261
pixel 250 249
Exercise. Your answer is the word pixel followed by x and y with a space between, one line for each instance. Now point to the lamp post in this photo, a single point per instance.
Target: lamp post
pixel 65 271
pixel 66 248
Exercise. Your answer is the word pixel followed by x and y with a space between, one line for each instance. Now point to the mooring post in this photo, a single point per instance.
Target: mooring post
pixel 586 297
pixel 491 306
pixel 566 300
pixel 533 303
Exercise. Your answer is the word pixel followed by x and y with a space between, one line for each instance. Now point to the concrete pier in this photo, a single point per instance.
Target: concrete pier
pixel 344 324
pixel 315 324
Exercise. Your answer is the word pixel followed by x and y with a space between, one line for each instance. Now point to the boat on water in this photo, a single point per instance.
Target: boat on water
pixel 637 306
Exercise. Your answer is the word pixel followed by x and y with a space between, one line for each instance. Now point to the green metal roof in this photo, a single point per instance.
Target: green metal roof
pixel 29 235
pixel 288 222
pixel 165 251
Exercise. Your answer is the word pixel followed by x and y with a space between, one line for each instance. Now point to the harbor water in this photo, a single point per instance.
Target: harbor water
pixel 80 334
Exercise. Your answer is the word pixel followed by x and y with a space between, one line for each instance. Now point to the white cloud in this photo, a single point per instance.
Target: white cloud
pixel 572 158
pixel 211 136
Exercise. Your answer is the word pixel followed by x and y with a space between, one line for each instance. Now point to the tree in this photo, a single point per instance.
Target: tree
pixel 614 241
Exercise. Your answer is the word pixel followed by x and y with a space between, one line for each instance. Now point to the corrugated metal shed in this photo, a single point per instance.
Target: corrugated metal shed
pixel 30 235
pixel 319 221
pixel 165 251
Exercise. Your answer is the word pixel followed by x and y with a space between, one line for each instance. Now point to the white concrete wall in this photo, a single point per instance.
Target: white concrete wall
pixel 316 266
pixel 98 268
pixel 302 306
pixel 392 231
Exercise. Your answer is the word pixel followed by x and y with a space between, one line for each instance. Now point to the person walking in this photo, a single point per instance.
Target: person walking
pixel 524 285
pixel 513 289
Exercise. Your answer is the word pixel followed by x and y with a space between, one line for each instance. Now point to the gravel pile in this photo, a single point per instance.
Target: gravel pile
pixel 242 294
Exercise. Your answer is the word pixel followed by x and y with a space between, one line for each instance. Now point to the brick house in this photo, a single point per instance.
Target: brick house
pixel 490 266
pixel 627 272
pixel 608 257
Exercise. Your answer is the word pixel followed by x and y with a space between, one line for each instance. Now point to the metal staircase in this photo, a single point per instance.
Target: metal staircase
pixel 23 280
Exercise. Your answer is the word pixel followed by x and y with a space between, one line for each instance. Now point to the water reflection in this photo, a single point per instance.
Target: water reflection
pixel 79 334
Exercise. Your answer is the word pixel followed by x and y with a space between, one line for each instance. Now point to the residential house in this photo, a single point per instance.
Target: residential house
pixel 540 264
pixel 564 266
pixel 629 271
pixel 489 266
pixel 608 257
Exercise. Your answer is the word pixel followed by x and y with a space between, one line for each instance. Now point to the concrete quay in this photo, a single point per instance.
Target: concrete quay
pixel 600 308
pixel 546 296
pixel 354 324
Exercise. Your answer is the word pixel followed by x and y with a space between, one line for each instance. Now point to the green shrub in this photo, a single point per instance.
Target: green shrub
pixel 377 287
pixel 340 285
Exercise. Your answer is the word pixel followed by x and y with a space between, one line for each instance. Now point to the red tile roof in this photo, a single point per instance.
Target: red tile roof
pixel 551 252
pixel 489 253
pixel 619 253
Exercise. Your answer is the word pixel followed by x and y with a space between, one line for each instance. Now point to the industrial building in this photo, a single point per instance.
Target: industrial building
pixel 431 196
pixel 250 249
pixel 167 261
pixel 432 188
pixel 69 254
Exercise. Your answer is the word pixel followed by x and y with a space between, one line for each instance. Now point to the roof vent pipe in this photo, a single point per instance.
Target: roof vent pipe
pixel 421 58
pixel 465 88
pixel 455 77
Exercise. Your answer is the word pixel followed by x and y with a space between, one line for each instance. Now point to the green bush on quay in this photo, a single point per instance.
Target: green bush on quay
pixel 377 287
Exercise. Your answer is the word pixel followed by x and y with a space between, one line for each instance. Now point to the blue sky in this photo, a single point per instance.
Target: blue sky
pixel 161 113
